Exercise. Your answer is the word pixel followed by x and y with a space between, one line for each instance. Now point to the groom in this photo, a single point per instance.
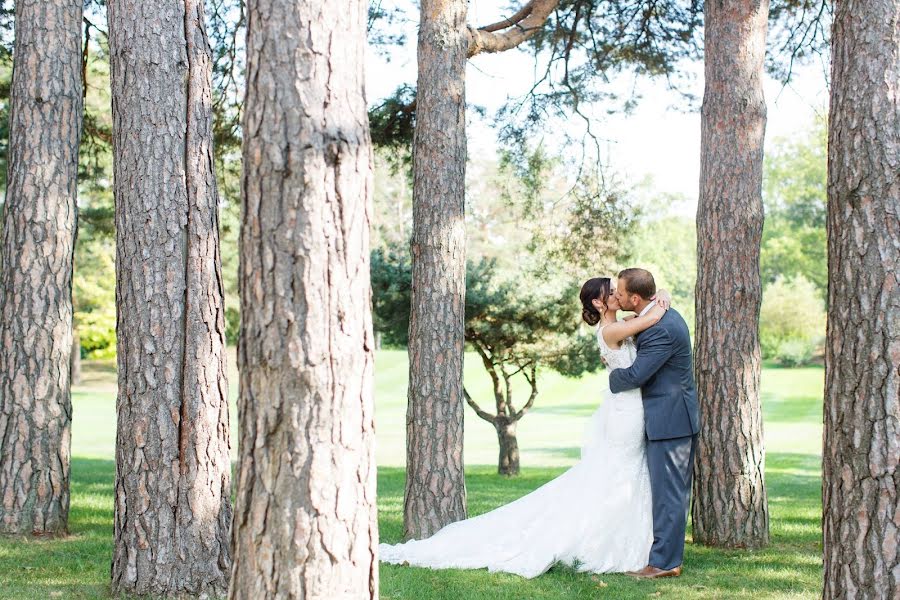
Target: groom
pixel 664 373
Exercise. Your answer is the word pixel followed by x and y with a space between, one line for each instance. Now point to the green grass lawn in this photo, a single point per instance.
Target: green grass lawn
pixel 78 566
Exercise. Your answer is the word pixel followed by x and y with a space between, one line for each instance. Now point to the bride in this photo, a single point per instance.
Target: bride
pixel 597 515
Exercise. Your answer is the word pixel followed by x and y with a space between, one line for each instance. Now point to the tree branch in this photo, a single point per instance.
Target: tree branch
pixel 492 371
pixel 570 43
pixel 511 32
pixel 478 410
pixel 508 405
pixel 532 379
pixel 510 21
pixel 88 23
pixel 84 58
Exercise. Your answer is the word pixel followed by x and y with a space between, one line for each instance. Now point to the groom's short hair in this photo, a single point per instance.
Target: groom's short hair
pixel 639 281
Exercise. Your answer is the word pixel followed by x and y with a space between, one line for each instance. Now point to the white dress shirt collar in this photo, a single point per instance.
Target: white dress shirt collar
pixel 647 308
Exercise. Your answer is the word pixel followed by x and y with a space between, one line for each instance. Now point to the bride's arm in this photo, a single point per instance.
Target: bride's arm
pixel 614 333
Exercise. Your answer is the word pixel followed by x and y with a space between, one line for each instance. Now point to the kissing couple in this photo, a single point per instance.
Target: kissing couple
pixel 623 506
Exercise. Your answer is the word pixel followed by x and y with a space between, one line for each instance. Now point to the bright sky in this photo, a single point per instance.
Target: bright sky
pixel 658 139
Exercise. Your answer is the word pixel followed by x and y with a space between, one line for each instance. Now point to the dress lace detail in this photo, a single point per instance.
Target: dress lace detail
pixel 617 358
pixel 597 515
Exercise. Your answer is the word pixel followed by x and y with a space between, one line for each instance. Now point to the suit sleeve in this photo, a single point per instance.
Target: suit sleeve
pixel 656 348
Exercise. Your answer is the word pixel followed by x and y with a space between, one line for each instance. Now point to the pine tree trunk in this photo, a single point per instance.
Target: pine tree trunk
pixel 435 484
pixel 305 524
pixel 730 507
pixel 861 455
pixel 36 269
pixel 508 464
pixel 172 491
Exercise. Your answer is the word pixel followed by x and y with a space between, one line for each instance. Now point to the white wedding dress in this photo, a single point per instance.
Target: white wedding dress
pixel 596 516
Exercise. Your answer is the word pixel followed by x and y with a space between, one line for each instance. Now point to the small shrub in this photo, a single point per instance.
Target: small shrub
pixel 97 332
pixel 794 352
pixel 791 321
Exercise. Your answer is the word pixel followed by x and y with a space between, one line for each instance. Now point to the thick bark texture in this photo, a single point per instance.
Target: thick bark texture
pixel 435 483
pixel 861 455
pixel 36 269
pixel 305 524
pixel 172 491
pixel 730 507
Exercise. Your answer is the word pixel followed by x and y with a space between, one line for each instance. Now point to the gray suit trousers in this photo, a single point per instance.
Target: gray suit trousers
pixel 671 466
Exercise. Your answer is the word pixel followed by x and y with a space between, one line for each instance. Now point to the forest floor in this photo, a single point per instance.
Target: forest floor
pixel 77 566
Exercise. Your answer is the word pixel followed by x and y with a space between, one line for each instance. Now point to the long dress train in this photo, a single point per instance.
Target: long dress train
pixel 596 516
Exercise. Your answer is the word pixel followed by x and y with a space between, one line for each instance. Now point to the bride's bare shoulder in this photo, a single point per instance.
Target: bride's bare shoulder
pixel 608 341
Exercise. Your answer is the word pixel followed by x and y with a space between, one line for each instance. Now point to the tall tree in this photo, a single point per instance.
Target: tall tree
pixel 172 491
pixel 435 493
pixel 305 524
pixel 36 268
pixel 861 478
pixel 730 507
pixel 435 483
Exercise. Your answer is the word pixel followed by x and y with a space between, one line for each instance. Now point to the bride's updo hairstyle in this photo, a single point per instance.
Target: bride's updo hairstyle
pixel 593 289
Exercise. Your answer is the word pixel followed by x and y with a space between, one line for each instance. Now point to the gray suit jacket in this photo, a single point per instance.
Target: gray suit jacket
pixel 664 371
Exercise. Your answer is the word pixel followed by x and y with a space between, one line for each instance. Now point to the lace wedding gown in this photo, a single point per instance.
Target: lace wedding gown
pixel 595 516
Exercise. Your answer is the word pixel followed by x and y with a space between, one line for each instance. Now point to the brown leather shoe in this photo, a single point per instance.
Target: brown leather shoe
pixel 651 572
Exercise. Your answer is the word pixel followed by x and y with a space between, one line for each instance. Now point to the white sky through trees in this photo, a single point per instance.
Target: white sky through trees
pixel 660 138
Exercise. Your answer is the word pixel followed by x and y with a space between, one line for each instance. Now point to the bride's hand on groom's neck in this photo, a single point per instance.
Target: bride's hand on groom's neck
pixel 663 299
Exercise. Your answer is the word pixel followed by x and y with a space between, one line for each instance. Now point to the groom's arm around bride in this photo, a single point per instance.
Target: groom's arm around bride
pixel 663 368
pixel 663 371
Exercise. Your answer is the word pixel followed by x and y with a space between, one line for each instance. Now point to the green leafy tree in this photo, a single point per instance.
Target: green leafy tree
pixel 795 192
pixel 791 321
pixel 517 331
pixel 567 228
pixel 667 247
pixel 94 292
pixel 392 199
pixel 94 275
pixel 520 331
pixel 391 276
